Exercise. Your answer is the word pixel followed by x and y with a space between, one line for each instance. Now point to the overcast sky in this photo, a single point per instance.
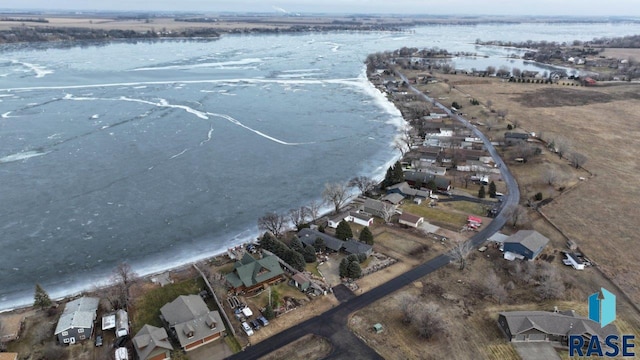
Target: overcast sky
pixel 498 7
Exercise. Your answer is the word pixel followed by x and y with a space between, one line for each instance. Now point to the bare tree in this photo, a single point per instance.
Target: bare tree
pixel 526 150
pixel 401 146
pixel 336 194
pixel 502 113
pixel 550 176
pixel 515 123
pixel 460 252
pixel 491 122
pixel 363 183
pixel 518 215
pixel 387 211
pixel 494 287
pixel 551 284
pixel 491 70
pixel 428 320
pixel 298 216
pixel 408 307
pixel 577 159
pixel 313 209
pixel 516 72
pixel 489 104
pixel 561 146
pixel 123 279
pixel 273 222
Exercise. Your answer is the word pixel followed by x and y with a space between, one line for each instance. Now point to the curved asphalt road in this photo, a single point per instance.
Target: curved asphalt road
pixel 333 323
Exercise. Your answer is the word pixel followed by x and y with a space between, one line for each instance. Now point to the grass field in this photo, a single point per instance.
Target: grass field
pixel 147 307
pixel 437 216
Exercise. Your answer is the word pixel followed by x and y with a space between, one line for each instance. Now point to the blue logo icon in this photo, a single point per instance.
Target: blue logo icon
pixel 602 307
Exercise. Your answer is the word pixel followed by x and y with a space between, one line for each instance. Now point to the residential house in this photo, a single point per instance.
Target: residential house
pixel 404 189
pixel 393 198
pixel 360 218
pixel 547 326
pixel 191 322
pixel 511 138
pixel 152 343
pixel 335 220
pixel 527 244
pixel 352 246
pixel 309 236
pixel 76 322
pixel 301 281
pixel 250 274
pixel 377 208
pixel 416 177
pixel 410 220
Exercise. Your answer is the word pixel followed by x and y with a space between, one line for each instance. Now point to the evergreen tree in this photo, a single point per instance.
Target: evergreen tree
pixel 296 244
pixel 481 192
pixel 267 241
pixel 343 231
pixel 268 312
pixel 344 265
pixel 309 254
pixel 354 270
pixel 492 190
pixel 394 175
pixel 41 298
pixel 319 244
pixel 295 259
pixel 431 185
pixel 366 236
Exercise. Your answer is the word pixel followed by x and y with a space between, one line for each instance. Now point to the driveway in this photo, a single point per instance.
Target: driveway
pixel 330 269
pixel 536 351
pixel 217 350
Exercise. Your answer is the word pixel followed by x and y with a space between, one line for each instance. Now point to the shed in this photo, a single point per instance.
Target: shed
pixel 410 220
pixel 378 328
pixel 301 281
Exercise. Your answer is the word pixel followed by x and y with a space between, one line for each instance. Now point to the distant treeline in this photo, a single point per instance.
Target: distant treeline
pixel 197 20
pixel 36 20
pixel 61 34
pixel 630 41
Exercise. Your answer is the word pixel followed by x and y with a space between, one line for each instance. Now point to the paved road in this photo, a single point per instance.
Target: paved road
pixel 333 323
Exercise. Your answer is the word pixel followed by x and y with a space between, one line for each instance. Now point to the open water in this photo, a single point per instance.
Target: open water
pixel 166 152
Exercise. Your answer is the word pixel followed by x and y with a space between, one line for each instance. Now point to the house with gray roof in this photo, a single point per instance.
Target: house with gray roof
pixel 404 189
pixel 420 178
pixel 377 207
pixel 76 322
pixel 530 326
pixel 250 274
pixel 352 246
pixel 527 244
pixel 393 198
pixel 309 236
pixel 152 343
pixel 191 322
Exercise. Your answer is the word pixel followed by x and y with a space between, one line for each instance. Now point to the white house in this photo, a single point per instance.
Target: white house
pixel 360 218
pixel 334 221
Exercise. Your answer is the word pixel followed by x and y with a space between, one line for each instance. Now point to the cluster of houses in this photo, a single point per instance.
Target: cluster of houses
pixel 187 320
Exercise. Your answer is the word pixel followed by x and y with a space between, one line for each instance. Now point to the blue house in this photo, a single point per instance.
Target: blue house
pixel 525 244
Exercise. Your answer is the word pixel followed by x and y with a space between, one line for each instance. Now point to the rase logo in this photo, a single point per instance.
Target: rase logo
pixel 602 309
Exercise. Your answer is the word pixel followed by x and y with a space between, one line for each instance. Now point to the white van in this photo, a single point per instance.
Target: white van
pixel 247 328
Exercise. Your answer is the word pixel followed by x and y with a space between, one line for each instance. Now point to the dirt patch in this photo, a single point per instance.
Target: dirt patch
pixel 308 347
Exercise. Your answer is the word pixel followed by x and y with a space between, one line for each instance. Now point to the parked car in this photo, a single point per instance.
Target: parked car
pixel 99 340
pixel 247 329
pixel 255 324
pixel 121 342
pixel 263 321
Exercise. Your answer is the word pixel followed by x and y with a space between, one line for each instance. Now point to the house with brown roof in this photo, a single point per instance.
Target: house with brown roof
pixel 410 220
pixel 190 321
pixel 250 274
pixel 152 343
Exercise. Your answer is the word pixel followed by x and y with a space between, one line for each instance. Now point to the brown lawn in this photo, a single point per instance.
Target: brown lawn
pixel 601 123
